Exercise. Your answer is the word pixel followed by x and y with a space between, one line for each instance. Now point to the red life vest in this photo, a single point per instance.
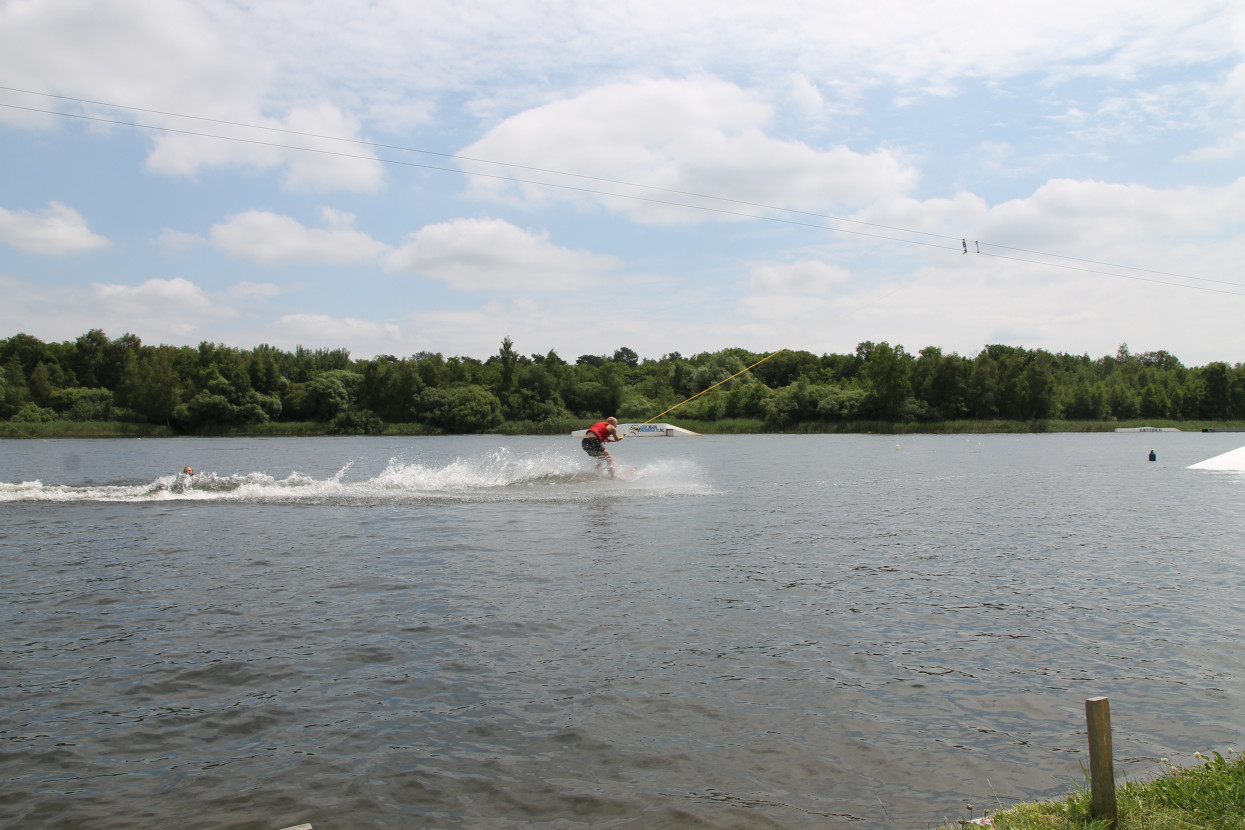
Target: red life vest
pixel 601 430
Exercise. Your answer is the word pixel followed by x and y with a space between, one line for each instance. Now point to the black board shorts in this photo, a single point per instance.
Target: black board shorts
pixel 592 446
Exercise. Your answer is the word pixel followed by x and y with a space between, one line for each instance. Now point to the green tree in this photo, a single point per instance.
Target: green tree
pixel 356 422
pixel 747 399
pixel 509 360
pixel 89 357
pixel 28 351
pixel 154 390
pixel 536 398
pixel 16 394
pixel 264 371
pixel 324 397
pixel 938 381
pixel 308 362
pixel 1037 389
pixel 637 408
pixel 792 404
pixel 841 403
pixel 327 396
pixel 887 377
pixel 983 387
pixel 460 409
pixel 35 414
pixel 100 362
pixel 83 403
pixel 589 399
pixel 626 356
pixel 1087 402
pixel 1160 359
pixel 947 390
pixel 786 367
pixel 388 388
pixel 1216 399
pixel 205 411
pixel 1123 402
pixel 1154 401
pixel 716 369
pixel 431 368
pixel 40 385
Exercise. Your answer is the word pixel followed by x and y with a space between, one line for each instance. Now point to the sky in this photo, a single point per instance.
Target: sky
pixel 405 176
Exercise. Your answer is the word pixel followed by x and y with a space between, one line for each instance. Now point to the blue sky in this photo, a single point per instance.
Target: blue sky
pixel 678 162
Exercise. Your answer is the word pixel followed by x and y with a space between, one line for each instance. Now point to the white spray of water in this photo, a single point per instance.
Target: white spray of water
pixel 499 475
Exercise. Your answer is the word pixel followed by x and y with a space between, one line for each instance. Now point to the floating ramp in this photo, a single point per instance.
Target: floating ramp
pixel 1231 460
pixel 647 431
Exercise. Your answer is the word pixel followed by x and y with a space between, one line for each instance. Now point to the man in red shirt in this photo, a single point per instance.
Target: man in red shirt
pixel 599 434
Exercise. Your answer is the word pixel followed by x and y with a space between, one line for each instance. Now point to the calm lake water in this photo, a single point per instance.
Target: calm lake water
pixel 750 632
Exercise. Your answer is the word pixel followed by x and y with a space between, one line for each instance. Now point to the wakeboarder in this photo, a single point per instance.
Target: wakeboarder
pixel 599 434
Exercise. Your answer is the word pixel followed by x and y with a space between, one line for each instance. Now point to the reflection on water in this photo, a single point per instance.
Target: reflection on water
pixel 759 631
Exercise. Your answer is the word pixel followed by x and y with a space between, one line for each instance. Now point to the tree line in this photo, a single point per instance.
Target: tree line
pixel 216 388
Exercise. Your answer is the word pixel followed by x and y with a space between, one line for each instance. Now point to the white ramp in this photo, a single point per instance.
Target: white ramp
pixel 1231 460
pixel 647 431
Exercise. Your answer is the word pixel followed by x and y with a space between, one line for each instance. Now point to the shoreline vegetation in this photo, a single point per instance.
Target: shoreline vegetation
pixel 95 386
pixel 563 427
pixel 1209 795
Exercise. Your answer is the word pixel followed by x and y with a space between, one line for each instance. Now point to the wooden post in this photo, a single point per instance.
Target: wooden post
pixel 1101 763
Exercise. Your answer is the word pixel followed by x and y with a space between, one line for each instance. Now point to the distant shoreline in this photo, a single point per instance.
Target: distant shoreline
pixel 740 426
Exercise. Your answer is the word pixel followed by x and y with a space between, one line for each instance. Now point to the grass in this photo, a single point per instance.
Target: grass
pixel 1207 796
pixel 83 429
pixel 726 426
pixel 959 427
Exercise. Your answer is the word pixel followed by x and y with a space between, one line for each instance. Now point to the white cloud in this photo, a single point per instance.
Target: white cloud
pixel 272 239
pixel 172 240
pixel 1125 223
pixel 317 145
pixel 964 303
pixel 804 277
pixel 179 300
pixel 1129 224
pixel 56 230
pixel 258 290
pixel 197 59
pixel 1182 292
pixel 227 60
pixel 493 255
pixel 364 338
pixel 1227 98
pixel 1020 107
pixel 786 297
pixel 515 50
pixel 286 65
pixel 694 136
pixel 173 56
pixel 807 97
pixel 158 310
pixel 341 165
pixel 949 218
pixel 654 323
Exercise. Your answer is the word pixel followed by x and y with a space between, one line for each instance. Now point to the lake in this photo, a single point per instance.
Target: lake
pixel 479 632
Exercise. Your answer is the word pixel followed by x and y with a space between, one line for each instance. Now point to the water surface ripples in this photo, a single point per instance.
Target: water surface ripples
pixel 763 631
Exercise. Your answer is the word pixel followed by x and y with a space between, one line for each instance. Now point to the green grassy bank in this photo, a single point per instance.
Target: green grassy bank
pixel 1209 795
